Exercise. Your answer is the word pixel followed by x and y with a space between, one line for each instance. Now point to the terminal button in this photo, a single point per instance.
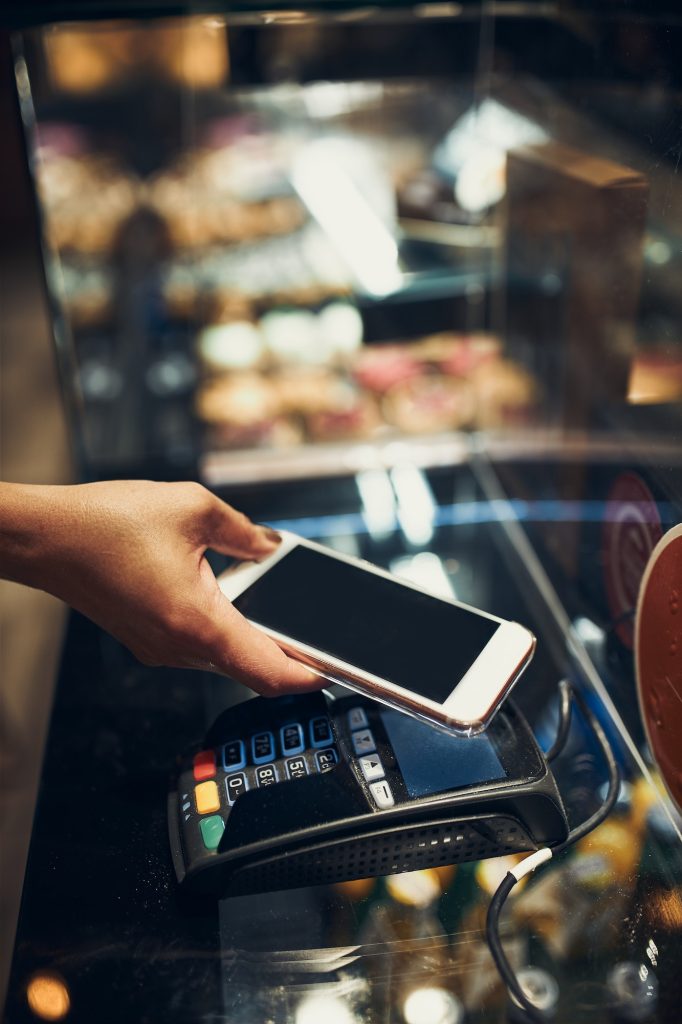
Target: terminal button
pixel 234 755
pixel 363 742
pixel 357 719
pixel 204 765
pixel 372 767
pixel 296 767
pixel 326 759
pixel 206 796
pixel 320 732
pixel 263 747
pixel 266 774
pixel 235 785
pixel 211 831
pixel 381 791
pixel 291 737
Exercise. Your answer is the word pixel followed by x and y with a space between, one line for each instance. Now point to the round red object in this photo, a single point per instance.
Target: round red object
pixel 632 528
pixel 658 658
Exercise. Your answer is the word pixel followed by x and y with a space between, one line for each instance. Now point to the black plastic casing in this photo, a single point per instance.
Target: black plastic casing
pixel 326 828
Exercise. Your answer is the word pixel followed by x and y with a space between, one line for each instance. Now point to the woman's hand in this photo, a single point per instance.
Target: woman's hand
pixel 129 554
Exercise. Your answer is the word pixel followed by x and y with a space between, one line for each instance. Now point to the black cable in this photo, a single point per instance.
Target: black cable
pixel 502 964
pixel 614 779
pixel 504 968
pixel 564 720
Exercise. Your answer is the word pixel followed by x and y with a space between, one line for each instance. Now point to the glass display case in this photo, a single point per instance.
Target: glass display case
pixel 402 279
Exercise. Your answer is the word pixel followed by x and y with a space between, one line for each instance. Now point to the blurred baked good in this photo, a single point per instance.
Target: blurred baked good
pixel 303 390
pixel 341 328
pixel 457 354
pixel 292 337
pixel 350 415
pixel 86 200
pixel 429 404
pixel 243 410
pixel 506 395
pixel 380 367
pixel 232 346
pixel 206 199
pixel 241 399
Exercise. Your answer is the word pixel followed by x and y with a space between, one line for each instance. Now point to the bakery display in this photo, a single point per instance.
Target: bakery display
pixel 216 250
pixel 441 383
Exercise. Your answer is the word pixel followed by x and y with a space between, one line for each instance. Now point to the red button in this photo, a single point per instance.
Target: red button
pixel 204 765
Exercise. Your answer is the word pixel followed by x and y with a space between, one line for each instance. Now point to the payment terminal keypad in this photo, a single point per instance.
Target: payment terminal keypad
pixel 216 778
pixel 290 748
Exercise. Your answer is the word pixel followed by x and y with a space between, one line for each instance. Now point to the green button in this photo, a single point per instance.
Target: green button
pixel 211 831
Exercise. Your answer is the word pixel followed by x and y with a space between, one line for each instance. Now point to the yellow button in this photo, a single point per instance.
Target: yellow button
pixel 206 796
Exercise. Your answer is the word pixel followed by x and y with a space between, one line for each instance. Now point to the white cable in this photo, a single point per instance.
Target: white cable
pixel 531 863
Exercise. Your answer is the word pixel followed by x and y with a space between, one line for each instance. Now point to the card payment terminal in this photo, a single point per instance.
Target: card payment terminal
pixel 308 789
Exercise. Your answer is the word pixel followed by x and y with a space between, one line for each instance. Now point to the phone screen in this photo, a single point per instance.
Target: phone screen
pixel 412 639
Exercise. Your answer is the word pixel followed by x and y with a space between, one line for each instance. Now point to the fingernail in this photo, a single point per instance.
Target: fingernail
pixel 271 535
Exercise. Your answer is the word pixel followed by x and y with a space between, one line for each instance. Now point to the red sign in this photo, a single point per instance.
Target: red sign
pixel 658 658
pixel 632 528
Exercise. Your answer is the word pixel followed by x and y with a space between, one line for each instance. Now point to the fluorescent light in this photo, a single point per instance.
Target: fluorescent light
pixel 378 502
pixel 416 504
pixel 425 570
pixel 343 212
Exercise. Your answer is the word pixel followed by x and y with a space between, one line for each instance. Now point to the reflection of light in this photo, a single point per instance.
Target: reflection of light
pixel 415 888
pixel 341 209
pixel 588 632
pixel 431 1006
pixel 425 570
pixel 538 986
pixel 659 252
pixel 654 380
pixel 481 181
pixel 438 10
pixel 378 501
pixel 474 151
pixel 416 504
pixel 331 99
pixel 48 996
pixel 323 1009
pixel 284 17
pixel 490 872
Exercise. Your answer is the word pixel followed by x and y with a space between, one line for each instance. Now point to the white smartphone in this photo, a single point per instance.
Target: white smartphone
pixel 435 658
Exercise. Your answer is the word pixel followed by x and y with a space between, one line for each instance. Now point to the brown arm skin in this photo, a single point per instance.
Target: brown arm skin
pixel 129 554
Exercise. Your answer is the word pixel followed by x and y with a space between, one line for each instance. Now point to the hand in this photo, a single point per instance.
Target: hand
pixel 130 555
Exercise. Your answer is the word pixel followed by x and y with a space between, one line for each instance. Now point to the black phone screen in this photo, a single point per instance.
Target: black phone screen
pixel 412 639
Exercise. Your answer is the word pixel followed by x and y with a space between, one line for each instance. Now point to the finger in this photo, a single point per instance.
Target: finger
pixel 249 656
pixel 233 533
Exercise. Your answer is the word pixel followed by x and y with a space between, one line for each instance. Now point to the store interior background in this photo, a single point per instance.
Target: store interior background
pixel 296 253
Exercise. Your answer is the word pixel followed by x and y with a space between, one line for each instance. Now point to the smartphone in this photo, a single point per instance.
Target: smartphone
pixel 444 662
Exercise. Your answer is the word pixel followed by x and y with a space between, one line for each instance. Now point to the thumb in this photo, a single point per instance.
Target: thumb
pixel 245 653
pixel 232 533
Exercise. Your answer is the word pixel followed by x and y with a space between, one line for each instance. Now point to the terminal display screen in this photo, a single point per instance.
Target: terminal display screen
pixel 433 762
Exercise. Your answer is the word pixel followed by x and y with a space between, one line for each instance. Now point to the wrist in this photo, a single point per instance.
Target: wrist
pixel 34 523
